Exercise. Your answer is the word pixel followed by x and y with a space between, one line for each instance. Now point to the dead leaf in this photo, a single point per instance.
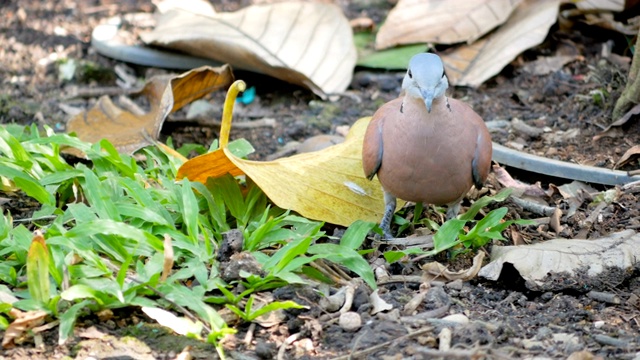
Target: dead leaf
pixel 434 271
pixel 377 303
pixel 628 156
pixel 623 120
pixel 505 179
pixel 442 21
pixel 181 325
pixel 21 325
pixel 613 5
pixel 544 65
pixel 327 185
pixel 129 132
pixel 305 43
pixel 528 26
pixel 575 194
pixel 578 263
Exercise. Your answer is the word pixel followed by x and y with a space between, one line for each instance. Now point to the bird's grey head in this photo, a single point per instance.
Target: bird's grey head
pixel 425 78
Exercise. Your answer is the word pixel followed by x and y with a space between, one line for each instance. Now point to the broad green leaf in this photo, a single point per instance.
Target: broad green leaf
pixel 68 320
pixel 356 233
pixel 347 257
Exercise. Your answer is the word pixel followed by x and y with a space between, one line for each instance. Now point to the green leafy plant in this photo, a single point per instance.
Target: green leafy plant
pixel 452 233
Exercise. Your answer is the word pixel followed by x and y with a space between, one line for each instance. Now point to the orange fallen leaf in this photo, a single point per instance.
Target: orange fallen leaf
pixel 129 132
pixel 327 185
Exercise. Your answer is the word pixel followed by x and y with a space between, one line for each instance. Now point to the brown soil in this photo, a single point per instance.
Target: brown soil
pixel 507 319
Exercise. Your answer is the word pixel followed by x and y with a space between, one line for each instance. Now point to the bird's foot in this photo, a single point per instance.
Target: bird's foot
pixel 389 210
pixel 453 210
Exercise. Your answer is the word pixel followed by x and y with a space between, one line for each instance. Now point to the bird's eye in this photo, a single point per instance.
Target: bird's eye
pixel 410 74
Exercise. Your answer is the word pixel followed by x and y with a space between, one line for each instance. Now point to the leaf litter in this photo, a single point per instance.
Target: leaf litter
pixel 514 299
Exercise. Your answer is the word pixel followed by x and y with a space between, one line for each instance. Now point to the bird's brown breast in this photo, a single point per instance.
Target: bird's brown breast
pixel 426 156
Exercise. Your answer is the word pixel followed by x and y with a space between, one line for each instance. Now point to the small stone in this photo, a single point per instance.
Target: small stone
pixel 265 350
pixel 455 284
pixel 459 319
pixel 350 321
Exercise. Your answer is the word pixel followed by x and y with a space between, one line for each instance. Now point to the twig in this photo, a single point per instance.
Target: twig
pixel 533 206
pixel 290 340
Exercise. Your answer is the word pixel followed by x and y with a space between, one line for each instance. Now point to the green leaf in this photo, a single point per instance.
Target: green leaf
pixel 484 201
pixel 68 320
pixel 356 234
pixel 189 209
pixel 240 147
pixel 272 306
pixel 28 184
pixel 447 235
pixel 347 257
pixel 98 198
pixel 81 291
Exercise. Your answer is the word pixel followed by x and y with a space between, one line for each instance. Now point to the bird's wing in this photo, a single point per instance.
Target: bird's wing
pixel 372 147
pixel 480 165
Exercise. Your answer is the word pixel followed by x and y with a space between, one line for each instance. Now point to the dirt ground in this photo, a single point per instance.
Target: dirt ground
pixel 507 320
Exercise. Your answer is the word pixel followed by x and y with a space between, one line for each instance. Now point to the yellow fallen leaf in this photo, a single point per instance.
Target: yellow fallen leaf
pixel 129 132
pixel 327 185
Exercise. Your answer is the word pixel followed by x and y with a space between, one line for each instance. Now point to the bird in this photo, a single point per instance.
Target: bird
pixel 424 146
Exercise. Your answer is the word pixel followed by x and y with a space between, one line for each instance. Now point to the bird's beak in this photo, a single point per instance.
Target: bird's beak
pixel 427 95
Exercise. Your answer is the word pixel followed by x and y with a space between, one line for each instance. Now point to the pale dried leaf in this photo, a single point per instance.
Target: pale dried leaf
pixel 442 21
pixel 628 156
pixel 544 65
pixel 471 65
pixel 21 325
pixel 435 271
pixel 129 132
pixel 180 325
pixel 578 262
pixel 306 43
pixel 613 5
pixel 378 304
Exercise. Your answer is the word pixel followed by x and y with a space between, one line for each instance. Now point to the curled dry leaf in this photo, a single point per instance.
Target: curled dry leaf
pixel 628 156
pixel 471 65
pixel 561 264
pixel 129 132
pixel 22 324
pixel 434 271
pixel 442 21
pixel 305 43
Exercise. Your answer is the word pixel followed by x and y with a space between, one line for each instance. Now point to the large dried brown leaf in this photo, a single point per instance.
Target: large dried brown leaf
pixel 305 43
pixel 129 132
pixel 528 26
pixel 442 21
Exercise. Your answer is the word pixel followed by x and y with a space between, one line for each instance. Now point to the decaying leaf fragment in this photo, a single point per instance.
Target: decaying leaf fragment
pixel 435 271
pixel 305 43
pixel 442 21
pixel 129 132
pixel 19 327
pixel 568 264
pixel 471 65
pixel 327 185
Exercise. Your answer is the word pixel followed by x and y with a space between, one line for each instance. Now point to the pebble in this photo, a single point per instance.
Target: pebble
pixel 455 284
pixel 350 321
pixel 460 319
